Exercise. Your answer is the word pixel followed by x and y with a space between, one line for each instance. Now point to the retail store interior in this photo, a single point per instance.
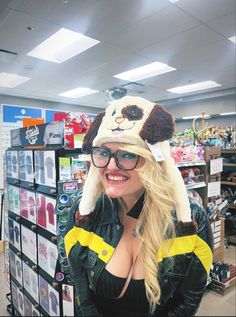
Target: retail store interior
pixel 65 61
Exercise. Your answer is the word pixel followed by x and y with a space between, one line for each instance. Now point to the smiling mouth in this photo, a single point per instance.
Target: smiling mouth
pixel 116 178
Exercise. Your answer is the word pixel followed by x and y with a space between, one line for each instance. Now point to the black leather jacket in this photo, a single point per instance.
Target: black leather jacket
pixel 90 246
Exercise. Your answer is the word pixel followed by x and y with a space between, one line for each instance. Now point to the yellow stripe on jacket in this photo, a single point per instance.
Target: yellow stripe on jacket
pixel 169 248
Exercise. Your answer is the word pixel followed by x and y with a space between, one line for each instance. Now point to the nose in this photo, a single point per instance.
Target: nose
pixel 119 120
pixel 112 164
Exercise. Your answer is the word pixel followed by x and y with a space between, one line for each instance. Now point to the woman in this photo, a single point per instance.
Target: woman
pixel 138 247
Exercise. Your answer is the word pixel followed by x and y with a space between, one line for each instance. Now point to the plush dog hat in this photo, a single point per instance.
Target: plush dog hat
pixel 136 121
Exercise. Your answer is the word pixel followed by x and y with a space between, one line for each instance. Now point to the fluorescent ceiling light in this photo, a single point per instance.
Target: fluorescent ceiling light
pixel 146 71
pixel 206 116
pixel 10 80
pixel 232 39
pixel 194 87
pixel 78 92
pixel 227 113
pixel 173 1
pixel 62 45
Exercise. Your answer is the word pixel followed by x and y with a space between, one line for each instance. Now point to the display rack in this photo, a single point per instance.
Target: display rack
pixel 37 212
pixel 228 187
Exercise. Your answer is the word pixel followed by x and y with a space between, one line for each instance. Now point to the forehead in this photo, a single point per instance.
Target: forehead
pixel 112 146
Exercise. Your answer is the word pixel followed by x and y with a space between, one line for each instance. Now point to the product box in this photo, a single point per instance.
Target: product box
pixel 47 255
pixel 30 281
pixel 14 233
pixel 45 168
pixel 17 298
pixel 12 167
pixel 26 167
pixel 29 244
pixel 28 205
pixel 68 300
pixel 46 216
pixel 48 297
pixel 13 195
pixel 218 231
pixel 15 266
pixel 29 308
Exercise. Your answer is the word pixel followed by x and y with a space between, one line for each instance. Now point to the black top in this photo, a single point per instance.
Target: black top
pixel 134 302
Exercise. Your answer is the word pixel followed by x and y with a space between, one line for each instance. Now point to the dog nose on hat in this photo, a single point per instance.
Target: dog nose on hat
pixel 119 119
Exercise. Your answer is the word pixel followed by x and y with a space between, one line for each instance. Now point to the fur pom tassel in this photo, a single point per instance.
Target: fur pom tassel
pixel 186 228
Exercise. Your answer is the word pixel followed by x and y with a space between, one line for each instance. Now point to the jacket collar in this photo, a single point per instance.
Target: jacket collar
pixel 109 209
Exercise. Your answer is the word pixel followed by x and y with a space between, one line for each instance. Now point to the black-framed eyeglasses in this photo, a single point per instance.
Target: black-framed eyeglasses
pixel 101 157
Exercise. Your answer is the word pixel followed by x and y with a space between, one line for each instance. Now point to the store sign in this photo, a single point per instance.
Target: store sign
pixel 50 115
pixel 15 114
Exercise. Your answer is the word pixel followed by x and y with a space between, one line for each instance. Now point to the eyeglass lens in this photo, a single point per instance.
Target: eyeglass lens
pixel 124 160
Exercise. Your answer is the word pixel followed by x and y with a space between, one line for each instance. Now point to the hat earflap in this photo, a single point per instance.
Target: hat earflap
pixel 182 205
pixel 91 192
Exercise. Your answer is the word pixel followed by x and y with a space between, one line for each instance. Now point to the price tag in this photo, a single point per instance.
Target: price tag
pixel 156 151
pixel 216 166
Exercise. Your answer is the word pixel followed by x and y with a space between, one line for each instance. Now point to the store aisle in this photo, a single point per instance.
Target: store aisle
pixel 213 304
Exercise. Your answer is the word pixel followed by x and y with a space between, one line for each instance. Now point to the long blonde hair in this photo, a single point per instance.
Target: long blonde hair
pixel 155 222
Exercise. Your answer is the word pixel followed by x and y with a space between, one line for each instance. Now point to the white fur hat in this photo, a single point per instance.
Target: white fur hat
pixel 134 120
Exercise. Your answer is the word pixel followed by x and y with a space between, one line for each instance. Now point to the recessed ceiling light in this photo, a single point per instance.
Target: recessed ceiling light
pixel 10 80
pixel 232 39
pixel 194 87
pixel 62 45
pixel 173 1
pixel 146 71
pixel 227 113
pixel 206 116
pixel 78 92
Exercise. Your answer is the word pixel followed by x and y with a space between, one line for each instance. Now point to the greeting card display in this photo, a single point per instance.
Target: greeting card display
pixel 13 198
pixel 26 171
pixel 68 300
pixel 30 281
pixel 45 168
pixel 28 204
pixel 17 298
pixel 12 164
pixel 46 216
pixel 29 245
pixel 15 266
pixel 14 233
pixel 30 309
pixel 47 255
pixel 48 297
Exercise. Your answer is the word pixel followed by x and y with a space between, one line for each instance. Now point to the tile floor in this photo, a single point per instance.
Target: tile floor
pixel 213 304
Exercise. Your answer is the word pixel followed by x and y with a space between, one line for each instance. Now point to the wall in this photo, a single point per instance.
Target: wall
pixel 209 103
pixel 11 100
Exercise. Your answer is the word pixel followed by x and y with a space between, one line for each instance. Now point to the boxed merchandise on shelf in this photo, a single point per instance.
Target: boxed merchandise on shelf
pixel 38 207
pixel 218 230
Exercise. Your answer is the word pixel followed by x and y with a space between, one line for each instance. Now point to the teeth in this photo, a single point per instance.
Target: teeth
pixel 116 178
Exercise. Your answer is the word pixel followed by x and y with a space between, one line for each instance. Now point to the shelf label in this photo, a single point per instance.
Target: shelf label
pixel 213 189
pixel 216 166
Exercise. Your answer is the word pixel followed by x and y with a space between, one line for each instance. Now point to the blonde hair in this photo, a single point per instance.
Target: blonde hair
pixel 155 222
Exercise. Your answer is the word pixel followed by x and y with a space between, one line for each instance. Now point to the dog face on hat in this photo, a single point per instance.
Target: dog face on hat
pixel 130 120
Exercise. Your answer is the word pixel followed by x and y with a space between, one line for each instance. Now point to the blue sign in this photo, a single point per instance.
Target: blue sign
pixel 15 114
pixel 49 115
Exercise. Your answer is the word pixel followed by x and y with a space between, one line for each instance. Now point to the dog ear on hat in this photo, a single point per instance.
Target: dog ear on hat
pixel 92 132
pixel 158 127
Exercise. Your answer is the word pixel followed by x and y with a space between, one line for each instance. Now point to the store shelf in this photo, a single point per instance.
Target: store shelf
pixel 229 164
pixel 228 183
pixel 189 164
pixel 231 150
pixel 197 185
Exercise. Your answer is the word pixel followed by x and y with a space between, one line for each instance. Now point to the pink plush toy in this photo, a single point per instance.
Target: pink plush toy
pixel 177 153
